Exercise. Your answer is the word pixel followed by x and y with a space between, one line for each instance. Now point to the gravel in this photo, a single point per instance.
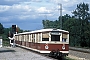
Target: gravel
pixel 79 55
pixel 9 53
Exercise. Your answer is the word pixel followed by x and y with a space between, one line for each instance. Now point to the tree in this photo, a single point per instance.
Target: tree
pixel 72 25
pixel 1 29
pixel 20 30
pixel 56 23
pixel 81 13
pixel 46 23
pixel 65 17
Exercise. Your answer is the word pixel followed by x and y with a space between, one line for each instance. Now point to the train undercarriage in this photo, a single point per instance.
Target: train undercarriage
pixel 57 54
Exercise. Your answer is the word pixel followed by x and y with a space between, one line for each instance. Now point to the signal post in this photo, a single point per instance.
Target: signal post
pixel 11 35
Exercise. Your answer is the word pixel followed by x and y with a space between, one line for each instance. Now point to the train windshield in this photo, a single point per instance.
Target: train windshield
pixel 55 36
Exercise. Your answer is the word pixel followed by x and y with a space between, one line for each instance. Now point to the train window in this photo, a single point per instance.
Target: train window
pixel 33 37
pixel 55 37
pixel 36 37
pixel 45 36
pixel 28 37
pixel 39 35
pixel 65 35
pixel 45 39
pixel 64 39
pixel 22 37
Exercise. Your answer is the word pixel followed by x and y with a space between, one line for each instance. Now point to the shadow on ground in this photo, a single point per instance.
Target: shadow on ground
pixel 3 51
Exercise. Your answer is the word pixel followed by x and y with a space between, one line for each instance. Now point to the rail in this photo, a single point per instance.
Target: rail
pixel 80 49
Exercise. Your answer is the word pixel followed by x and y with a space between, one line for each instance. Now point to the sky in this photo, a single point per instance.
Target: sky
pixel 28 14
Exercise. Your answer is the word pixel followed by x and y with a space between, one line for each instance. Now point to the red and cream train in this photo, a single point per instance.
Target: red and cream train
pixel 44 40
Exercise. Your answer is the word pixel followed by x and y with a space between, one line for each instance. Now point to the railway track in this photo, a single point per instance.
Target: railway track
pixel 79 53
pixel 80 49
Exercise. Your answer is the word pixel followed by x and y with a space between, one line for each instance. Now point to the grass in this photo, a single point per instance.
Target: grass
pixel 67 58
pixel 6 43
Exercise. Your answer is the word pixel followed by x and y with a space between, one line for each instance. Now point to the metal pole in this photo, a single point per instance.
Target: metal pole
pixel 61 16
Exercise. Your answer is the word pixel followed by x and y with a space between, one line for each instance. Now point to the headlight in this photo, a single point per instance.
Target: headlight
pixel 63 47
pixel 46 46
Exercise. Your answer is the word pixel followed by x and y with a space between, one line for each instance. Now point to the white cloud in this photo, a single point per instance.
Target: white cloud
pixel 21 7
pixel 22 10
pixel 22 17
pixel 43 10
pixel 36 0
pixel 4 8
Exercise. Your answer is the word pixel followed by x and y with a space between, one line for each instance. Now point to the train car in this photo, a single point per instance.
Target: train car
pixel 54 42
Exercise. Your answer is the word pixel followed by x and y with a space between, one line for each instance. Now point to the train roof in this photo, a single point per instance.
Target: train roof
pixel 43 30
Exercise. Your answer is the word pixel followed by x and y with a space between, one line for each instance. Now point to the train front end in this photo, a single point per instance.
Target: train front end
pixel 57 44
